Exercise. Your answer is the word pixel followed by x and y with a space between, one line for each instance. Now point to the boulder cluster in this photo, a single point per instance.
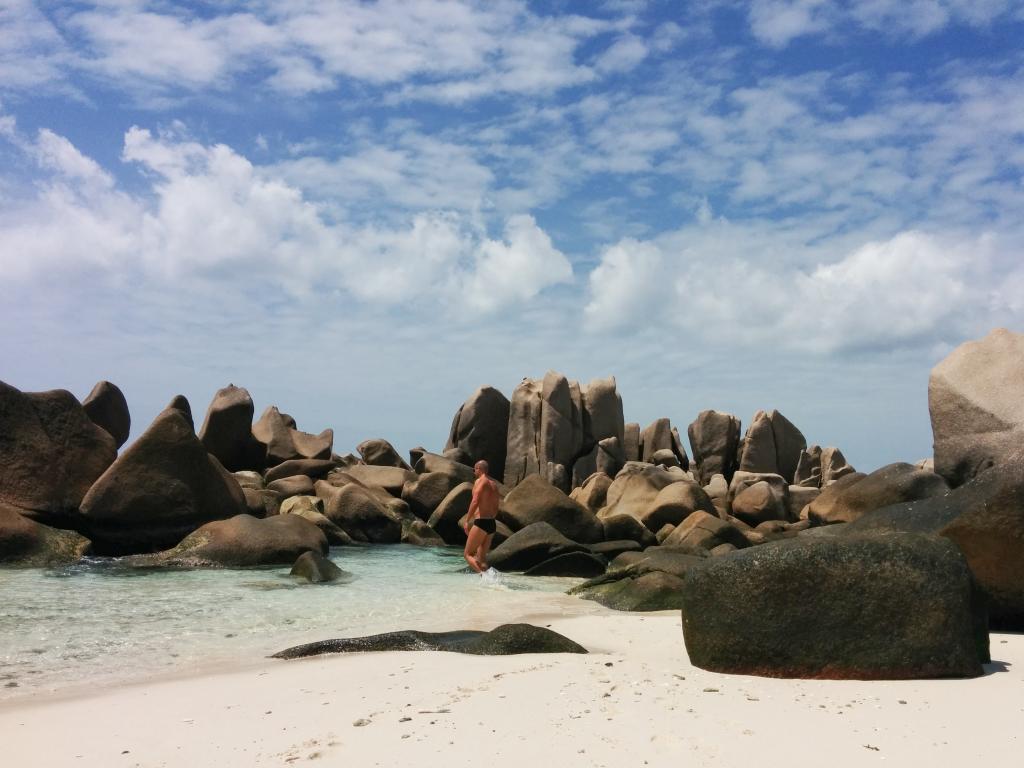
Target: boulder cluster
pixel 751 534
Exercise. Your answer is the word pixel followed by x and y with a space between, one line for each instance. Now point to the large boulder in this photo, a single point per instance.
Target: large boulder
pixel 281 441
pixel 227 430
pixel 106 407
pixel 772 445
pixel 315 568
pixel 870 607
pixel 242 541
pixel 163 487
pixel 314 468
pixel 714 440
pixel 892 484
pixel 617 527
pixel 647 581
pixel 480 430
pixel 424 493
pixel 51 452
pixel 976 402
pixel 674 503
pixel 834 466
pixel 536 500
pixel 761 501
pixel 634 490
pixel 360 513
pixel 575 564
pixel 531 546
pixel 389 479
pixel 661 435
pixel 25 542
pixel 593 492
pixel 446 518
pixel 702 532
pixel 311 508
pixel 379 452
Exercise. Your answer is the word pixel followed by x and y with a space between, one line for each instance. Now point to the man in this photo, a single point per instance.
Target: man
pixel 480 523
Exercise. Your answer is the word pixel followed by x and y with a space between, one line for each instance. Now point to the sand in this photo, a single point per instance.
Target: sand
pixel 634 700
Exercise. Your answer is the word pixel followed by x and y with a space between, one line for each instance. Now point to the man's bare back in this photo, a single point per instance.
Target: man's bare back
pixel 480 523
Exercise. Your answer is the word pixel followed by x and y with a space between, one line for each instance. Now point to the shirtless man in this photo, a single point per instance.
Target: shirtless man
pixel 480 524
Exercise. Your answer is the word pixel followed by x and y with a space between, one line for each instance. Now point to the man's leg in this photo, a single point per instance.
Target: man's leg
pixel 473 542
pixel 481 553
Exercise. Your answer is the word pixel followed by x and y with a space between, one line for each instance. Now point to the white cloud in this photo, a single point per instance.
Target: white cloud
pixel 622 55
pixel 777 22
pixel 211 215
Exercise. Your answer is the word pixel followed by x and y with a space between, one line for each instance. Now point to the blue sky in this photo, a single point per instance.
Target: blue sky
pixel 361 211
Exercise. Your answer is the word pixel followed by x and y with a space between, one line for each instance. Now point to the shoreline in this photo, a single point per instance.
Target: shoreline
pixel 634 698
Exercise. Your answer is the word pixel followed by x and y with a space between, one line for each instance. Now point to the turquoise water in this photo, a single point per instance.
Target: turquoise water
pixel 97 624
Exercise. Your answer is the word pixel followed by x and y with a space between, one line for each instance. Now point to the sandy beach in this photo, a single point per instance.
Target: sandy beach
pixel 634 700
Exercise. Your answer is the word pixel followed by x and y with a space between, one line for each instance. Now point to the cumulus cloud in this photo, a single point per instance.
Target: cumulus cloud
pixel 710 282
pixel 210 214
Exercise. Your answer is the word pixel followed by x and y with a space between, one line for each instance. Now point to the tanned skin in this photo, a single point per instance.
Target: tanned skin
pixel 483 506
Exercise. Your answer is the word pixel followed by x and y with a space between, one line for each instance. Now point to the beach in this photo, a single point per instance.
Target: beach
pixel 633 700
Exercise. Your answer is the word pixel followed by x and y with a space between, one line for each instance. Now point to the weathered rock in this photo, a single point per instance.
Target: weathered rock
pixel 772 445
pixel 761 501
pixel 249 479
pixel 578 564
pixel 480 430
pixel 508 639
pixel 799 497
pixel 536 500
pixel 665 457
pixel 530 546
pixel 180 404
pixel 282 441
pixel 976 402
pixel 717 490
pixel 50 453
pixel 106 408
pixel 163 487
pixel 602 411
pixel 241 541
pixel 390 479
pixel 295 485
pixel 313 468
pixel 808 468
pixel 432 462
pixel 703 531
pixel 316 569
pixel 714 440
pixel 360 513
pixel 634 490
pixel 659 435
pixel 419 534
pixel 261 502
pixel 424 493
pixel 445 519
pixel 227 430
pixel 871 607
pixel 653 591
pixel 25 542
pixel 380 453
pixel 834 466
pixel 593 492
pixel 631 442
pixel 664 532
pixel 674 503
pixel 612 549
pixel 311 508
pixel 606 457
pixel 892 484
pixel 627 527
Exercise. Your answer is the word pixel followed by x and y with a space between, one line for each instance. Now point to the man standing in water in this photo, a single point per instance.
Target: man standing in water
pixel 480 523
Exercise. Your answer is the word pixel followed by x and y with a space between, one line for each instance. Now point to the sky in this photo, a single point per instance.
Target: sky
pixel 362 211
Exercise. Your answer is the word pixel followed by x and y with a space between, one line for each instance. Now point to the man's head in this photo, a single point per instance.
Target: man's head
pixel 480 468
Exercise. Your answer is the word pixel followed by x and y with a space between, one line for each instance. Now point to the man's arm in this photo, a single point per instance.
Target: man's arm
pixel 474 506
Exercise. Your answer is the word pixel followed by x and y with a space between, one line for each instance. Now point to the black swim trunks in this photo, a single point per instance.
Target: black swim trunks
pixel 486 524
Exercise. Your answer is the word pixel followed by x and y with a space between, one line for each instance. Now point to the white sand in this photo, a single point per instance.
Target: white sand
pixel 634 700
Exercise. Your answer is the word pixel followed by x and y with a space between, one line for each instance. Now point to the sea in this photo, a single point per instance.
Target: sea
pixel 98 623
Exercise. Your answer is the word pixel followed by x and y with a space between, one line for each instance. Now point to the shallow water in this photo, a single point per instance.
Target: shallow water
pixel 97 624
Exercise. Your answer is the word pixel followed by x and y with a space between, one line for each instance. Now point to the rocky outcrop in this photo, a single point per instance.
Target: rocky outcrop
pixel 661 435
pixel 553 422
pixel 312 508
pixel 714 440
pixel 871 607
pixel 241 541
pixel 701 532
pixel 834 466
pixel 593 492
pixel 574 564
pixel 281 441
pixel 647 581
pixel 508 639
pixel 389 479
pixel 531 546
pixel 51 452
pixel 360 513
pixel 227 430
pixel 772 445
pixel 674 503
pixel 634 490
pixel 480 430
pixel 24 542
pixel 536 500
pixel 446 518
pixel 426 492
pixel 379 452
pixel 163 487
pixel 312 468
pixel 892 484
pixel 627 527
pixel 976 402
pixel 106 407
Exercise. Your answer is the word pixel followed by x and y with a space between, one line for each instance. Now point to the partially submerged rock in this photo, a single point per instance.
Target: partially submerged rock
pixel 506 640
pixel 315 568
pixel 24 542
